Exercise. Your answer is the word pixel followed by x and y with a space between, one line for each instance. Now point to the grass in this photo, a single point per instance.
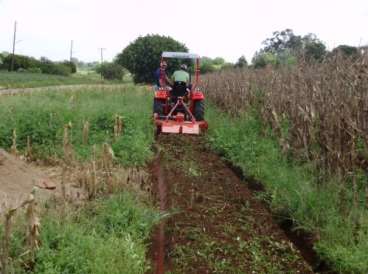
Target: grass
pixel 31 80
pixel 42 116
pixel 106 236
pixel 293 191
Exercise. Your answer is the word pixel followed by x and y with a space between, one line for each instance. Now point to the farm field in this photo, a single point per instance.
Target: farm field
pixel 50 128
pixel 31 80
pixel 301 131
pixel 73 134
pixel 212 219
pixel 136 141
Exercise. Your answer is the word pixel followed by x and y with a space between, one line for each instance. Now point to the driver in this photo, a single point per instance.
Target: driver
pixel 181 75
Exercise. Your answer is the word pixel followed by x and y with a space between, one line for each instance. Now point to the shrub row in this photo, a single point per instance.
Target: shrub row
pixel 44 65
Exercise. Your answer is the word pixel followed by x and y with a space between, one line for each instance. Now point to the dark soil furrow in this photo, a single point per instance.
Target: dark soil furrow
pixel 216 225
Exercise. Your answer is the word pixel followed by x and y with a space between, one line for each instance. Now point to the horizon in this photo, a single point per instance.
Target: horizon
pixel 46 29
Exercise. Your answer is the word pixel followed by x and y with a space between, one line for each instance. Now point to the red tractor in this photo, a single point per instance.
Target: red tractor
pixel 180 109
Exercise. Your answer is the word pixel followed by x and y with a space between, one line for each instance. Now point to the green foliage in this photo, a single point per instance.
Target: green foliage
pixel 106 236
pixel 287 47
pixel 142 57
pixel 49 67
pixel 33 70
pixel 208 64
pixel 218 61
pixel 30 64
pixel 32 78
pixel 346 50
pixel 20 62
pixel 315 51
pixel 261 60
pixel 242 62
pixel 2 56
pixel 42 116
pixel 71 65
pixel 293 190
pixel 111 71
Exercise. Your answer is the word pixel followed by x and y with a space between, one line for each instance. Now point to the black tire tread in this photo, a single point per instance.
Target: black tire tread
pixel 158 107
pixel 199 110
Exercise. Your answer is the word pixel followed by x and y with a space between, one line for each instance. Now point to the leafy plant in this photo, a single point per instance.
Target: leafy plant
pixel 111 71
pixel 142 57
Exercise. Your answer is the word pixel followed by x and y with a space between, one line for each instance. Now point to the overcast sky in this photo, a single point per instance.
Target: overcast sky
pixel 227 28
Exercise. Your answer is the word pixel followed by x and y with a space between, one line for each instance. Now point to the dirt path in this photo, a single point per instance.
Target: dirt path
pixel 18 178
pixel 13 91
pixel 216 224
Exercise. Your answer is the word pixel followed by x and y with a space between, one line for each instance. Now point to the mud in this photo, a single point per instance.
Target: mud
pixel 216 225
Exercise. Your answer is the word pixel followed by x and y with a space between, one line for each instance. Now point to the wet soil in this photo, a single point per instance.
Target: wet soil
pixel 216 224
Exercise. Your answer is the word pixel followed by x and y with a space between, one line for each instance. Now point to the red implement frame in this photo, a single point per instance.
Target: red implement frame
pixel 177 123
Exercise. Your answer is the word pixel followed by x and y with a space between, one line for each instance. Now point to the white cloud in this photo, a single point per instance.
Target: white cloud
pixel 228 28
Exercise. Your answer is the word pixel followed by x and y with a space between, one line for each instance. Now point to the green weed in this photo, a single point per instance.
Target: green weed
pixel 294 192
pixel 107 236
pixel 30 80
pixel 42 117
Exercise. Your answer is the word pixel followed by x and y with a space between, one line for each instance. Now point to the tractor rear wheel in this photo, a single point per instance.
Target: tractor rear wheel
pixel 158 107
pixel 199 110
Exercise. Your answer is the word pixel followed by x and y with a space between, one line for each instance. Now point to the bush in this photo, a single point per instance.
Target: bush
pixel 71 65
pixel 142 57
pixel 20 62
pixel 346 51
pixel 34 70
pixel 111 71
pixel 49 67
pixel 242 62
pixel 261 60
pixel 1 59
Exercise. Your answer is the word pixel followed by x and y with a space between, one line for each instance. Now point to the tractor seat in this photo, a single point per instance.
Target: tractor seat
pixel 179 89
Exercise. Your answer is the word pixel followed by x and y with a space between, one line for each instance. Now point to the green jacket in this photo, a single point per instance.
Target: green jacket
pixel 181 76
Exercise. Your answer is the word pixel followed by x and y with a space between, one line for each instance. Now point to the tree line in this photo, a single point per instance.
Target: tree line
pixel 24 63
pixel 142 57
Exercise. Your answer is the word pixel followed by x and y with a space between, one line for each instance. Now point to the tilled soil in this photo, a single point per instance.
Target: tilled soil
pixel 216 225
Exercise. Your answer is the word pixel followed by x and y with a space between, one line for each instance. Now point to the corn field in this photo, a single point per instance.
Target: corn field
pixel 318 112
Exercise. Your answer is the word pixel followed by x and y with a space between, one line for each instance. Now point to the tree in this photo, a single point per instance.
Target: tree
pixel 288 47
pixel 111 71
pixel 346 50
pixel 242 62
pixel 218 61
pixel 142 57
pixel 71 65
pixel 20 62
pixel 262 59
pixel 207 65
pixel 283 40
pixel 315 51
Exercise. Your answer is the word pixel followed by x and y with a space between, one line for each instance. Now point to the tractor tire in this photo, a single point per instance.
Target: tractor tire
pixel 158 107
pixel 199 110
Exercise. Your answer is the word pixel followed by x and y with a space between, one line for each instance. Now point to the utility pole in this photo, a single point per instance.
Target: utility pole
pixel 102 49
pixel 14 39
pixel 71 51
